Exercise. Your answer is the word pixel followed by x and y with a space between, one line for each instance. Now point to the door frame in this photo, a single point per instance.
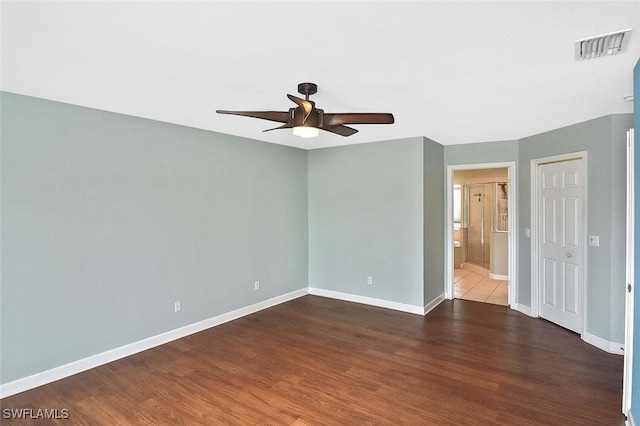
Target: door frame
pixel 535 232
pixel 627 382
pixel 512 236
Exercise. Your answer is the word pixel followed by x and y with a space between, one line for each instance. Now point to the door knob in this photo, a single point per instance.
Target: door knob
pixel 568 254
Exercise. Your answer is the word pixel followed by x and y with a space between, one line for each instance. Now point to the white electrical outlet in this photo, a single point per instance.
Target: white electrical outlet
pixel 369 280
pixel 257 285
pixel 177 307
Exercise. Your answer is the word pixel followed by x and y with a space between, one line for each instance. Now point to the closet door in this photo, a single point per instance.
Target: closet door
pixel 561 211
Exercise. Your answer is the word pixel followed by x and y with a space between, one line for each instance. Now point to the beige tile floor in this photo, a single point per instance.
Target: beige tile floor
pixel 470 285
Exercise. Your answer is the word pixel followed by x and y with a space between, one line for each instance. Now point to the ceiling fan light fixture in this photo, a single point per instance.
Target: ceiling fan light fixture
pixel 306 120
pixel 306 131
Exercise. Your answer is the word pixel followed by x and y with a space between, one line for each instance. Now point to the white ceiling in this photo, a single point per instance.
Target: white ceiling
pixel 455 72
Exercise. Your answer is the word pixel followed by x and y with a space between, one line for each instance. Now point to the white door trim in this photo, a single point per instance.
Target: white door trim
pixel 535 196
pixel 629 298
pixel 512 239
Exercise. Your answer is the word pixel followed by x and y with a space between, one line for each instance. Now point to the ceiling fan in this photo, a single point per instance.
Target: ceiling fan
pixel 306 120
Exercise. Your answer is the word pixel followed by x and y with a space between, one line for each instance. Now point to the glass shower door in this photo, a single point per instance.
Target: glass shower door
pixel 474 222
pixel 478 219
pixel 489 190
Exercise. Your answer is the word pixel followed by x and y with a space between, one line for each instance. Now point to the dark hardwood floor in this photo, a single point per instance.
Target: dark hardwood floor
pixel 318 361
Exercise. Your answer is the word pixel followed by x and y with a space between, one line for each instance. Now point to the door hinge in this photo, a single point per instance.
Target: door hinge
pixel 629 288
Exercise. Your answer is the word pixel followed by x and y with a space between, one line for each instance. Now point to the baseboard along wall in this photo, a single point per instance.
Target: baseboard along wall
pixel 598 342
pixel 75 367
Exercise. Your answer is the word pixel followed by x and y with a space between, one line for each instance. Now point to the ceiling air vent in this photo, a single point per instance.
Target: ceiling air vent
pixel 602 45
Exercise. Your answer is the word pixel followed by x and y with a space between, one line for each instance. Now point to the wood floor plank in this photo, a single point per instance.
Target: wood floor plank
pixel 318 361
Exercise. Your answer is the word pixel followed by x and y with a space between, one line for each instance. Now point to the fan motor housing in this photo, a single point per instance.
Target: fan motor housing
pixel 307 88
pixel 315 118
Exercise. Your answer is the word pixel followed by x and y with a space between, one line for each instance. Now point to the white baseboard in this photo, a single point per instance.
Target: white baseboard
pixel 498 277
pixel 57 373
pixel 630 421
pixel 435 302
pixel 598 342
pixel 523 309
pixel 605 345
pixel 381 303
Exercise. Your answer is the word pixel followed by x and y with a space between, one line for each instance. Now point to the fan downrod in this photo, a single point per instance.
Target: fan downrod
pixel 307 89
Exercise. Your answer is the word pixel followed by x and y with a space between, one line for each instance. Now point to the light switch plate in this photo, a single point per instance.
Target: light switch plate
pixel 594 240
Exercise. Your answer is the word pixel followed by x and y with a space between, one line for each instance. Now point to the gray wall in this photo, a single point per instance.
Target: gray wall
pixel 604 139
pixel 365 219
pixel 486 152
pixel 107 220
pixel 434 220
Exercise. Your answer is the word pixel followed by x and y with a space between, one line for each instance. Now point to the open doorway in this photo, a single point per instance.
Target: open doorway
pixel 480 256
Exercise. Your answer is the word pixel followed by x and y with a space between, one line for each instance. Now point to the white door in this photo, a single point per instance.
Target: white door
pixel 561 216
pixel 629 302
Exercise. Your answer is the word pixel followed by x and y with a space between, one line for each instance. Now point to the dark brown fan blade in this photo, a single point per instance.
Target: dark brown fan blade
pixel 340 130
pixel 358 118
pixel 284 126
pixel 279 116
